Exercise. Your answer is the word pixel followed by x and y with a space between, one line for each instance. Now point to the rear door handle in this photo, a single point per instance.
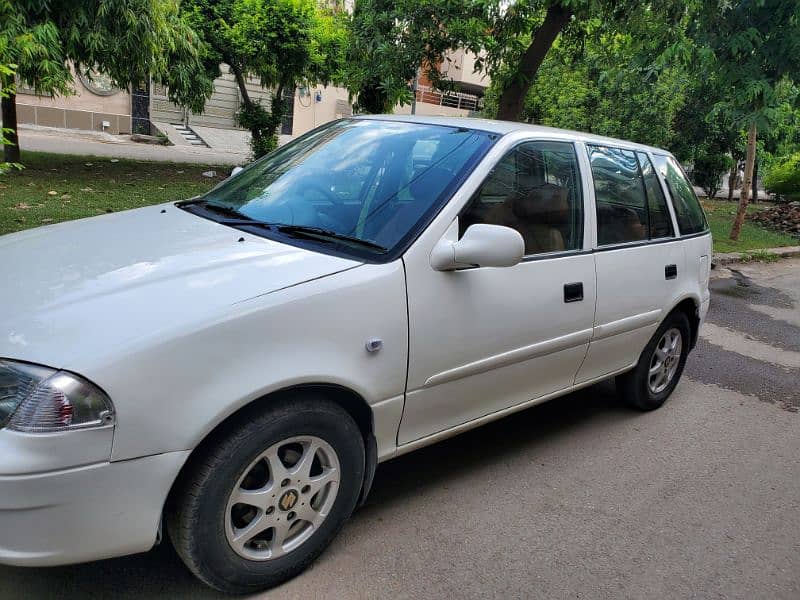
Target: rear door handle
pixel 573 292
pixel 671 272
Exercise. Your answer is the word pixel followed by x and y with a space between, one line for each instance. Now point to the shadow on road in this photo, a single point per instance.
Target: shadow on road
pixel 161 574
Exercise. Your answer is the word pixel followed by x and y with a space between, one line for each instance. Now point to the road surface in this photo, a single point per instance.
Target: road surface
pixel 577 498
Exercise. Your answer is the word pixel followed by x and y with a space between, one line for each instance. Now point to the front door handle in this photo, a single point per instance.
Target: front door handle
pixel 671 272
pixel 573 292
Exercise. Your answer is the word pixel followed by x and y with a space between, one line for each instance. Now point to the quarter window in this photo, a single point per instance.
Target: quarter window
pixel 535 189
pixel 687 207
pixel 657 211
pixel 620 196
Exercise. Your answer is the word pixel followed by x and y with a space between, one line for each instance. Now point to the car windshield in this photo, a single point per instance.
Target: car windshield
pixel 360 185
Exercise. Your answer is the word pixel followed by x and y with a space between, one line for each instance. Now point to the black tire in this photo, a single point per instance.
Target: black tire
pixel 198 505
pixel 633 386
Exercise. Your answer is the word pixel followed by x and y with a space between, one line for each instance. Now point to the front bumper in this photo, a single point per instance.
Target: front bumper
pixel 85 513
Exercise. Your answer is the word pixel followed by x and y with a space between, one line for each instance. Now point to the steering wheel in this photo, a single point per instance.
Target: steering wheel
pixel 329 221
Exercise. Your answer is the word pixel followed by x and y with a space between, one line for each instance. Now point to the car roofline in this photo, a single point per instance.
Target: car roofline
pixel 506 127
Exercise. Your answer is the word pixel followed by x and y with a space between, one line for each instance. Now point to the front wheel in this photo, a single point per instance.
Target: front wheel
pixel 257 505
pixel 660 365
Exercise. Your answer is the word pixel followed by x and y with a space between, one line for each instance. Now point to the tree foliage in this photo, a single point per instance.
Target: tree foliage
pixel 596 85
pixel 392 40
pixel 281 43
pixel 755 45
pixel 784 177
pixel 129 40
pixel 6 90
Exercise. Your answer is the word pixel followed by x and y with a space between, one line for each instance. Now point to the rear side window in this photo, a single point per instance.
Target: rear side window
pixel 657 211
pixel 687 207
pixel 620 195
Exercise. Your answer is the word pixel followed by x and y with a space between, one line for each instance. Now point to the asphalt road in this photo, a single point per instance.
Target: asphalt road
pixel 577 498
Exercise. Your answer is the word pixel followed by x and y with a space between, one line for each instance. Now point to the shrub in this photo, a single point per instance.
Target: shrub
pixel 709 167
pixel 784 177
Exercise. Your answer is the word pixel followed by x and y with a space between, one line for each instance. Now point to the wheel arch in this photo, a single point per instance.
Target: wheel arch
pixel 690 306
pixel 352 402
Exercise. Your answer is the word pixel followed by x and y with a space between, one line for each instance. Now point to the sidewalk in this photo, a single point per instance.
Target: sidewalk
pixel 91 143
pixel 727 258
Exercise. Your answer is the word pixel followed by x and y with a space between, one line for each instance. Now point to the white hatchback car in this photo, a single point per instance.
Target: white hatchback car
pixel 235 366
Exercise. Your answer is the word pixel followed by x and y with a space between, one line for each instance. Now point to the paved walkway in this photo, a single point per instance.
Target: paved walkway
pixel 89 143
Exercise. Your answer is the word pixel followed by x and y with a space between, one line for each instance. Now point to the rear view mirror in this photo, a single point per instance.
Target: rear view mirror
pixel 482 245
pixel 235 171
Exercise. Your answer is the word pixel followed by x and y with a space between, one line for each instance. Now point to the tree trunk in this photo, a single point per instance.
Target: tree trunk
pixel 9 111
pixel 512 100
pixel 750 160
pixel 732 176
pixel 242 85
pixel 754 195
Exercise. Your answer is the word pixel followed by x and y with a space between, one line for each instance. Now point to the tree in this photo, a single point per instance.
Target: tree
pixel 596 84
pixel 393 40
pixel 756 48
pixel 541 22
pixel 282 43
pixel 6 74
pixel 130 40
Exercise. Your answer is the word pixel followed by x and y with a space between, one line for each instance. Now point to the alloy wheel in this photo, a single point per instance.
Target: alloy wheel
pixel 665 360
pixel 282 497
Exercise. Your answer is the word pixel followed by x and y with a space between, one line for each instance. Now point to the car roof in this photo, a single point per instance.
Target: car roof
pixel 505 127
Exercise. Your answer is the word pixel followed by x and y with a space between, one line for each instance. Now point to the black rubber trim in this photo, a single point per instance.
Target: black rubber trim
pixel 371 457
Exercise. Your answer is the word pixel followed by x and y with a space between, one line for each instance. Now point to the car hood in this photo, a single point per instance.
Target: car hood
pixel 87 286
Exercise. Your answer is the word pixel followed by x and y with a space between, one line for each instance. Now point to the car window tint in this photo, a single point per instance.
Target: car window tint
pixel 619 195
pixel 658 213
pixel 535 189
pixel 687 207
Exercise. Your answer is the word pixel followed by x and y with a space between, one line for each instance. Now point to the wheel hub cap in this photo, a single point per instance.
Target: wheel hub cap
pixel 665 360
pixel 288 500
pixel 282 497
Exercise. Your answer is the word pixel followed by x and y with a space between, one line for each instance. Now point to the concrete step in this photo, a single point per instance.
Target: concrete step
pixel 190 136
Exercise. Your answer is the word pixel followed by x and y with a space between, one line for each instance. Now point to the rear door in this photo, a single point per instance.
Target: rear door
pixel 638 258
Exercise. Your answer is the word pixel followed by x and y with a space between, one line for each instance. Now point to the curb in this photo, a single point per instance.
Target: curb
pixel 729 258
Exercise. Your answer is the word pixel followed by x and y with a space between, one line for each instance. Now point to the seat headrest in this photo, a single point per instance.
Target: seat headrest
pixel 545 203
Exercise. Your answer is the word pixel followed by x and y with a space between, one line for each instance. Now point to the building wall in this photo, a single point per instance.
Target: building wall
pixel 82 110
pixel 309 112
pixel 460 67
pixel 432 110
pixel 220 109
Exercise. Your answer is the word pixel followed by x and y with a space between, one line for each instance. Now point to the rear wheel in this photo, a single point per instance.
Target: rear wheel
pixel 258 505
pixel 660 365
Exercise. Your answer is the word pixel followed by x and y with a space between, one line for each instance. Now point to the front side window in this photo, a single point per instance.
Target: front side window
pixel 357 186
pixel 687 207
pixel 620 196
pixel 535 189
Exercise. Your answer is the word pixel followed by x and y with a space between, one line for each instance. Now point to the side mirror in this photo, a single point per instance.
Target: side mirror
pixel 235 171
pixel 482 245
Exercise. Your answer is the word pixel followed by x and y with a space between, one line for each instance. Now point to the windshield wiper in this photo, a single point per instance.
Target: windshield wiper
pixel 213 207
pixel 246 223
pixel 327 234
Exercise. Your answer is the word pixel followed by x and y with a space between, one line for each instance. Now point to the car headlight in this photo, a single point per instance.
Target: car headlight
pixel 38 399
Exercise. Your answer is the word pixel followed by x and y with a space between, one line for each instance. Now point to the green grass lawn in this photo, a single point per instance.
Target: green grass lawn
pixel 752 236
pixel 55 187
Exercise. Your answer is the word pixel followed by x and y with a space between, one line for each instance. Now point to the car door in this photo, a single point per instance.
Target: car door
pixel 639 261
pixel 486 339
